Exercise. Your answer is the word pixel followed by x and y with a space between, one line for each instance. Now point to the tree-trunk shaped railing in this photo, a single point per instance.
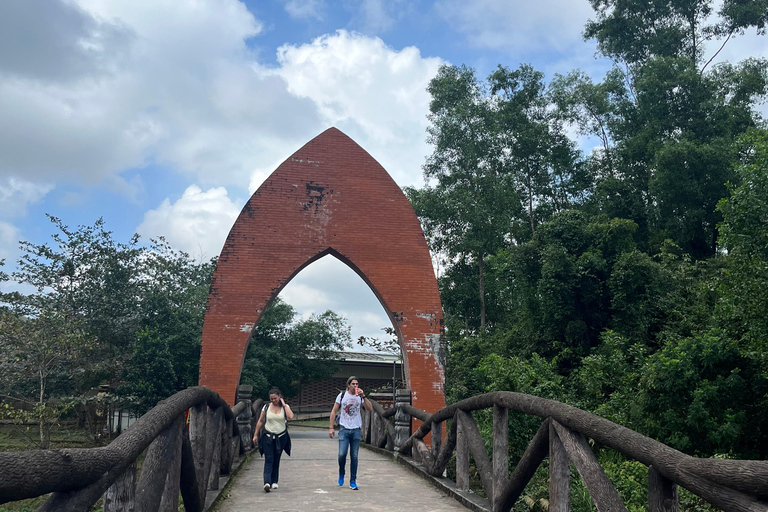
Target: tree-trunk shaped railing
pixel 179 460
pixel 731 485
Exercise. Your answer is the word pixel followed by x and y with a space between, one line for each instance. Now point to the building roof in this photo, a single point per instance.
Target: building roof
pixel 368 357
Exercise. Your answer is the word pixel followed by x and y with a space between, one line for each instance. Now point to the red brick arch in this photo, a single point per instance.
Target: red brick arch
pixel 330 197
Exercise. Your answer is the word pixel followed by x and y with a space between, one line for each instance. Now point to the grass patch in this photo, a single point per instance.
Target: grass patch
pixel 19 438
pixel 16 438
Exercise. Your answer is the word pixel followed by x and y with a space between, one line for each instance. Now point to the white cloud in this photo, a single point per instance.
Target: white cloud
pixel 16 194
pixel 173 83
pixel 373 93
pixel 305 9
pixel 9 242
pixel 330 284
pixel 518 27
pixel 305 297
pixel 197 223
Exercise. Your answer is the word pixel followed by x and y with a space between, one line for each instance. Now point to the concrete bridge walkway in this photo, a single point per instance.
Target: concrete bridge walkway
pixel 308 482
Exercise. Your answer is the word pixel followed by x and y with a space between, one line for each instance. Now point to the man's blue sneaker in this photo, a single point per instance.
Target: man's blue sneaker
pixel 341 480
pixel 353 485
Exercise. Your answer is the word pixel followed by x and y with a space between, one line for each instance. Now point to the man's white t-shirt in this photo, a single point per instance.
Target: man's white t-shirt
pixel 349 416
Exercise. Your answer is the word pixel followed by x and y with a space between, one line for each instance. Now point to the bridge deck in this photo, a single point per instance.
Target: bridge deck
pixel 308 482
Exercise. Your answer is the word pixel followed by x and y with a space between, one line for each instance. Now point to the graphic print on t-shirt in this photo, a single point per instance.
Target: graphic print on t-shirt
pixel 350 411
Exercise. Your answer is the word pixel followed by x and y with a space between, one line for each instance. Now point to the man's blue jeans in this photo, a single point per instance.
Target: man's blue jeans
pixel 349 440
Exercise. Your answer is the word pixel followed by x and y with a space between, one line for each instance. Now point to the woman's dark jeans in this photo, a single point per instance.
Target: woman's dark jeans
pixel 272 452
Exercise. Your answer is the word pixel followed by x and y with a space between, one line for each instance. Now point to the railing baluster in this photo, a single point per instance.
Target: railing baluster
pixel 227 450
pixel 198 426
pixel 189 482
pixel 170 499
pixel 365 429
pixel 559 474
pixel 154 471
pixel 121 495
pixel 441 458
pixel 601 490
pixel 662 492
pixel 462 451
pixel 422 454
pixel 214 445
pixel 536 452
pixel 500 454
pixel 480 456
pixel 437 439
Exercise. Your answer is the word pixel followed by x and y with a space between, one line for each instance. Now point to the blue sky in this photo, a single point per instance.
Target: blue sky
pixel 163 116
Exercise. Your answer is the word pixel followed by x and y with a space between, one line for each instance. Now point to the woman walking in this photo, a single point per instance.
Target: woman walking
pixel 274 439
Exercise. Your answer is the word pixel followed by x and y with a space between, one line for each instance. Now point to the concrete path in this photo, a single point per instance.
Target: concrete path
pixel 308 482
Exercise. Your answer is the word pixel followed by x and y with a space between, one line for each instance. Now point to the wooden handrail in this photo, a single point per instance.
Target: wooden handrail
pixel 732 485
pixel 79 477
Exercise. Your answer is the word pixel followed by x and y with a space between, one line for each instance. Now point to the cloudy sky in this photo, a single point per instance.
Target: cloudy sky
pixel 163 116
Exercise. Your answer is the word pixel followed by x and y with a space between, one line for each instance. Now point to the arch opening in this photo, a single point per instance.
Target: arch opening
pixel 328 198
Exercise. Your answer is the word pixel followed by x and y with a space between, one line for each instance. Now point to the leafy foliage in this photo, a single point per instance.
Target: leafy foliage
pixel 287 353
pixel 630 281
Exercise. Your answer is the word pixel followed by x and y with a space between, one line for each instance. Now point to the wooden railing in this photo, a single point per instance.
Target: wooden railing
pixel 179 460
pixel 731 485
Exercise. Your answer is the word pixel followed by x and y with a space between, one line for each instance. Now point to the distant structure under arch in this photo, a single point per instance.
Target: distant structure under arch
pixel 330 197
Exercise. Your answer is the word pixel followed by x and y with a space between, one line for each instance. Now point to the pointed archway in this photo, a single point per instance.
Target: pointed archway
pixel 330 197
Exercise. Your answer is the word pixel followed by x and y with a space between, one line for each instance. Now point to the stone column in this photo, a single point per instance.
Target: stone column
pixel 244 418
pixel 402 419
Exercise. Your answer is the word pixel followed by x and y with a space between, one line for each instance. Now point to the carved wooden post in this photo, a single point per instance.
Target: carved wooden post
pixel 437 438
pixel 365 427
pixel 121 495
pixel 170 499
pixel 402 420
pixel 190 492
pixel 198 425
pixel 376 429
pixel 213 448
pixel 244 418
pixel 662 492
pixel 559 474
pixel 157 464
pixel 500 454
pixel 227 450
pixel 462 451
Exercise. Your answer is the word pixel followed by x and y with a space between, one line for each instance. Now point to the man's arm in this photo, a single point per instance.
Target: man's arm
pixel 366 403
pixel 335 409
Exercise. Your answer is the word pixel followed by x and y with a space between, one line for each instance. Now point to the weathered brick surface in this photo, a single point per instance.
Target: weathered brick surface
pixel 330 197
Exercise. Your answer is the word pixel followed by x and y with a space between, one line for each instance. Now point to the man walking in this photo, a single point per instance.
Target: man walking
pixel 350 422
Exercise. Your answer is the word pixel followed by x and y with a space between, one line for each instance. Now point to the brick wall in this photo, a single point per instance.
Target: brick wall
pixel 330 197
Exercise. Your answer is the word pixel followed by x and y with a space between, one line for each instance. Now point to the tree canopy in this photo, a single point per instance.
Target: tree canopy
pixel 628 279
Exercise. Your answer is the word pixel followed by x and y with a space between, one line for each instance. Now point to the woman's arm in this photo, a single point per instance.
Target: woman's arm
pixel 258 426
pixel 287 409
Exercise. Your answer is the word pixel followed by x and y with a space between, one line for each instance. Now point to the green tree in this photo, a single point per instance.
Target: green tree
pixel 745 238
pixel 705 395
pixel 34 350
pixel 469 211
pixel 532 147
pixel 93 285
pixel 166 354
pixel 287 353
pixel 671 120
